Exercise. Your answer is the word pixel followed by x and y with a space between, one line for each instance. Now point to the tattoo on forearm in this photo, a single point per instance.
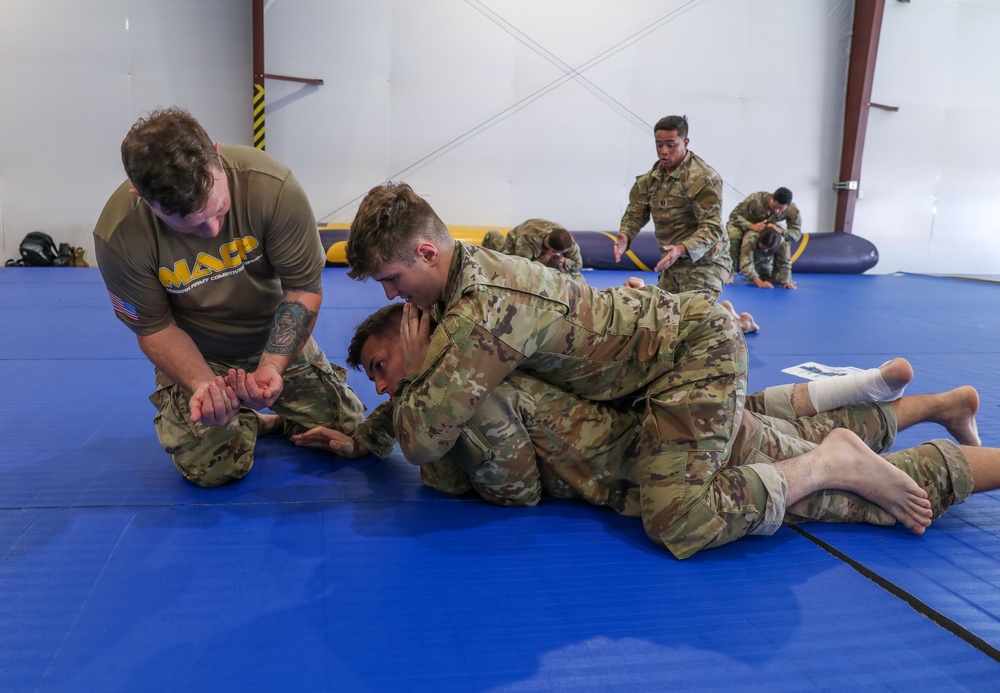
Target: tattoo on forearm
pixel 291 326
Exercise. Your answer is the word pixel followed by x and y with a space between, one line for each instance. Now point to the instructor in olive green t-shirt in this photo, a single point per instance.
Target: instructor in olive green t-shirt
pixel 212 257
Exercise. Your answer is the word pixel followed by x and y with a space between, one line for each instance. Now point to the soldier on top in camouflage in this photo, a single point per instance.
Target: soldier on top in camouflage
pixel 677 361
pixel 547 441
pixel 683 195
pixel 757 212
pixel 543 241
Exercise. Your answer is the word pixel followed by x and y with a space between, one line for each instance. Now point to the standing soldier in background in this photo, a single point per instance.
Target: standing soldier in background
pixel 543 241
pixel 683 195
pixel 760 211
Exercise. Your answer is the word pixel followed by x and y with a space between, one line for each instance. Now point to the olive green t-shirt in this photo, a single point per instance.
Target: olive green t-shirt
pixel 222 291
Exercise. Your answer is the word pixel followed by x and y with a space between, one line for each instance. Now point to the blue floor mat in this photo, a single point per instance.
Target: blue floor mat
pixel 313 573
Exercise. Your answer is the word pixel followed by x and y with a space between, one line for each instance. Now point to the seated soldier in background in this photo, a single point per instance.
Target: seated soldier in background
pixel 760 211
pixel 543 241
pixel 574 448
pixel 765 259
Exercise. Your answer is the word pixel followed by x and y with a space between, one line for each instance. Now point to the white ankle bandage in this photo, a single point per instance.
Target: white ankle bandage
pixel 866 386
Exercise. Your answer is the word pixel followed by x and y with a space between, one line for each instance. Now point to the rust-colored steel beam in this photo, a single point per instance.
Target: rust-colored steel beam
pixel 860 73
pixel 257 13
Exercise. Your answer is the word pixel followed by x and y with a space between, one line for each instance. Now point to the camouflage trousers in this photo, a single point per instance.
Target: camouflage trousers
pixel 531 438
pixel 716 496
pixel 544 440
pixel 735 234
pixel 315 393
pixel 707 278
pixel 939 466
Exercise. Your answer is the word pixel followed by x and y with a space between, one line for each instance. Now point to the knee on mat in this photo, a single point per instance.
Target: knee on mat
pixel 524 497
pixel 216 470
pixel 686 535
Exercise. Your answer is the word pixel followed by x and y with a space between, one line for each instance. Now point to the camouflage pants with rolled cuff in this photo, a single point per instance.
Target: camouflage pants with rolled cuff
pixel 707 473
pixel 874 422
pixel 939 466
pixel 722 487
pixel 315 393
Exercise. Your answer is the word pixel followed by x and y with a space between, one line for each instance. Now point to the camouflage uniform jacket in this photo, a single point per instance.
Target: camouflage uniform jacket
pixel 776 267
pixel 526 240
pixel 686 207
pixel 375 432
pixel 573 448
pixel 500 314
pixel 756 208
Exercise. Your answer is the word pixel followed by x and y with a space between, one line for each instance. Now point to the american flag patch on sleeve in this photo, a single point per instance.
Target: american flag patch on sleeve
pixel 124 308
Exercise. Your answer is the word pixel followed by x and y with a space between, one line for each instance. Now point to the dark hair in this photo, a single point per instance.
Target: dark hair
pixel 673 122
pixel 385 320
pixel 391 217
pixel 782 196
pixel 171 160
pixel 769 240
pixel 559 239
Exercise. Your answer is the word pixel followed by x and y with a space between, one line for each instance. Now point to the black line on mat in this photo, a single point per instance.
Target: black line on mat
pixel 920 607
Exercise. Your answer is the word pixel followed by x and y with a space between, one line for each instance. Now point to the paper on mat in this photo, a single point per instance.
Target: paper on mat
pixel 817 371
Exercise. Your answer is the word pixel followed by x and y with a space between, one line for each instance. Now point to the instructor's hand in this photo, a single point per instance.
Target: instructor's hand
pixel 214 403
pixel 671 254
pixel 257 390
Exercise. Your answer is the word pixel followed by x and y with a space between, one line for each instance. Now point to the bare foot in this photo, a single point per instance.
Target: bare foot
pixel 858 469
pixel 748 324
pixel 746 321
pixel 897 374
pixel 959 415
pixel 269 424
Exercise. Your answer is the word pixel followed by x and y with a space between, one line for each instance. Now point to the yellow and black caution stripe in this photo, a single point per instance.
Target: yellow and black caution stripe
pixel 258 116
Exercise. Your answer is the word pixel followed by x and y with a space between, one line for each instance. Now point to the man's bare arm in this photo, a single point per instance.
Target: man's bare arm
pixel 293 323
